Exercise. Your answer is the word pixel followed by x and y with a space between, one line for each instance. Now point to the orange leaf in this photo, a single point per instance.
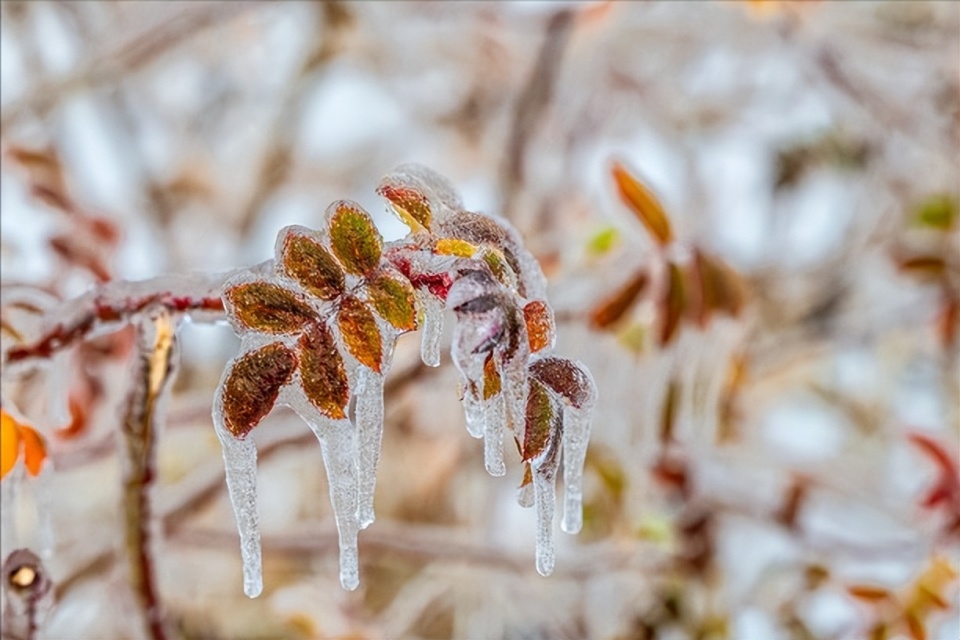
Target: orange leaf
pixel 34 450
pixel 355 239
pixel 614 307
pixel 643 203
pixel 323 375
pixel 867 592
pixel 267 307
pixel 394 300
pixel 539 320
pixel 252 386
pixel 309 263
pixel 9 443
pixel 360 332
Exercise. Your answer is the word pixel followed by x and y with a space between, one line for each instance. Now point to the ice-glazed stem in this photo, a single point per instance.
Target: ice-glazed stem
pixel 576 434
pixel 493 415
pixel 432 328
pixel 339 446
pixel 545 494
pixel 240 461
pixel 370 429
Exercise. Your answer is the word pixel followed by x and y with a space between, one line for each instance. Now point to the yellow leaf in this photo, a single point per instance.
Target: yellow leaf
pixel 454 247
pixel 355 240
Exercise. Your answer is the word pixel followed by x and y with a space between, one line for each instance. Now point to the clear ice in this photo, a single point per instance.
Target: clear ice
pixel 370 430
pixel 432 329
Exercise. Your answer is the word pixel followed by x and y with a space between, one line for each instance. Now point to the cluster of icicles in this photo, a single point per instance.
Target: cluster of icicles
pixel 318 324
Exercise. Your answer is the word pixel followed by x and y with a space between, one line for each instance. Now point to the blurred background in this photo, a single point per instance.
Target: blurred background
pixel 785 470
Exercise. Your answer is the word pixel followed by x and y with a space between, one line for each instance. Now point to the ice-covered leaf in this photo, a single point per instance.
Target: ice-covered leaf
pixel 323 375
pixel 454 247
pixel 356 242
pixel 644 204
pixel 672 304
pixel 565 378
pixel 492 383
pixel 360 332
pixel 539 320
pixel 34 450
pixel 267 307
pixel 253 384
pixel 9 443
pixel 409 202
pixel 394 300
pixel 309 263
pixel 499 267
pixel 615 306
pixel 540 416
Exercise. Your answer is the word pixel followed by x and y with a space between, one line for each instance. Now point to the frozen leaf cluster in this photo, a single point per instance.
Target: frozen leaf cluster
pixel 318 325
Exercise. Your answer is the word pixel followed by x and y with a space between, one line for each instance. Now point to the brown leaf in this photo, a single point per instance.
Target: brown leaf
pixel 565 378
pixel 614 307
pixel 927 267
pixel 356 242
pixel 394 300
pixel 668 413
pixel 267 308
pixel 540 417
pixel 45 174
pixel 492 383
pixel 360 332
pixel 253 384
pixel 643 203
pixel 672 304
pixel 539 322
pixel 309 263
pixel 323 376
pixel 723 289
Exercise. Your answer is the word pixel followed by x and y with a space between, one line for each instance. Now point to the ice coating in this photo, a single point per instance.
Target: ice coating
pixel 431 327
pixel 319 323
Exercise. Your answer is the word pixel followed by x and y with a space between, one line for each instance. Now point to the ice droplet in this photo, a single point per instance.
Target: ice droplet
pixel 339 446
pixel 240 461
pixel 432 330
pixel 370 431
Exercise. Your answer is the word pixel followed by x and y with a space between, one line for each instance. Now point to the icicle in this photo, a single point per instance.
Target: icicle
pixel 432 328
pixel 370 431
pixel 545 493
pixel 515 389
pixel 339 446
pixel 576 434
pixel 494 416
pixel 525 496
pixel 473 409
pixel 240 461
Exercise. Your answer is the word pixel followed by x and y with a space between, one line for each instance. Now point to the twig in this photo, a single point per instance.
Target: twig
pixel 156 342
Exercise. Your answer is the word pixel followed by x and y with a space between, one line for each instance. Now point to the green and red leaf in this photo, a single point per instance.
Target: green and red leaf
pixel 355 240
pixel 253 384
pixel 267 307
pixel 540 418
pixel 360 332
pixel 309 263
pixel 323 376
pixel 539 321
pixel 394 300
pixel 672 304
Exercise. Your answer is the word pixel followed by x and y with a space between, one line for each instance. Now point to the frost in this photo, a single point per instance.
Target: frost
pixel 432 329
